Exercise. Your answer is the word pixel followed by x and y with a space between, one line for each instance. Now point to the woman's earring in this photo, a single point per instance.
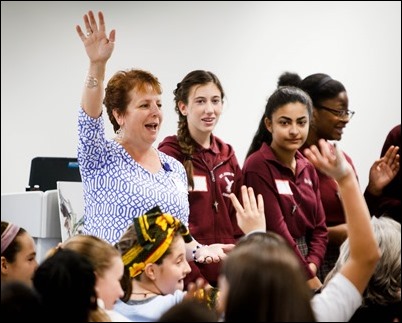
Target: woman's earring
pixel 119 133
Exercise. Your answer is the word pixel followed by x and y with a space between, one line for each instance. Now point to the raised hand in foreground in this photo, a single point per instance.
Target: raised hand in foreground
pixel 250 216
pixel 364 251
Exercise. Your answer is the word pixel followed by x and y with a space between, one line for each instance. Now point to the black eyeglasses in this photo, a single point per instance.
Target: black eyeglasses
pixel 342 114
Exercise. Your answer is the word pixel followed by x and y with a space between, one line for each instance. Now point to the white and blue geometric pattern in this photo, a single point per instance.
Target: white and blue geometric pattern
pixel 117 188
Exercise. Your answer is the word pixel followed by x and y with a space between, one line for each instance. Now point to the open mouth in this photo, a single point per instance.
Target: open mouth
pixel 152 126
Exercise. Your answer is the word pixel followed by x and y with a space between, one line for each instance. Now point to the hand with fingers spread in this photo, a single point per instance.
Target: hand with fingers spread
pixel 383 171
pixel 250 216
pixel 97 45
pixel 328 160
pixel 383 192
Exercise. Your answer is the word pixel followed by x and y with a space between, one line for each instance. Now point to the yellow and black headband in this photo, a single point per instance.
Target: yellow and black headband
pixel 155 232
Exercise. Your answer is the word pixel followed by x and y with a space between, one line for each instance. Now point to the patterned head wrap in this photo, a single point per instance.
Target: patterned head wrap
pixel 155 232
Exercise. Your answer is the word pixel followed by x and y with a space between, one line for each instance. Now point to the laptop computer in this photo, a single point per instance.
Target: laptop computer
pixel 46 171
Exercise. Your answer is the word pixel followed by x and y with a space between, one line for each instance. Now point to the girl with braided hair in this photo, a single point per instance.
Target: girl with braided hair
pixel 211 165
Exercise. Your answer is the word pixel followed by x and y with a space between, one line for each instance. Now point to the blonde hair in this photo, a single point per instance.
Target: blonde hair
pixel 99 252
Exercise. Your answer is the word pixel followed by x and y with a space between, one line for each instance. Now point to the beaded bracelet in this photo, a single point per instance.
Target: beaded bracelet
pixel 195 250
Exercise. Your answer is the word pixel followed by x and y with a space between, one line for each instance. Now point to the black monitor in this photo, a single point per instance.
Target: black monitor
pixel 46 171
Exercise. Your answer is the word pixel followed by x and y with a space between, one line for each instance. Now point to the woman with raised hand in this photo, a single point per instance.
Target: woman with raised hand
pixel 125 176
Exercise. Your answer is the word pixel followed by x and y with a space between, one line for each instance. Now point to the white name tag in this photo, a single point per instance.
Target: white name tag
pixel 200 184
pixel 283 187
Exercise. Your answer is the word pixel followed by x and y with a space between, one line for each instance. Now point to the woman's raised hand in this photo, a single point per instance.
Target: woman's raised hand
pixel 98 46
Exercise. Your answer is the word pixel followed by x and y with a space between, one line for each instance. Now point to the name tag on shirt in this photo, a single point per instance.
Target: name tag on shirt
pixel 283 187
pixel 200 184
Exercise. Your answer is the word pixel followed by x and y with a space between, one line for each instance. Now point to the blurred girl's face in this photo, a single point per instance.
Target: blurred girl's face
pixel 108 287
pixel 223 286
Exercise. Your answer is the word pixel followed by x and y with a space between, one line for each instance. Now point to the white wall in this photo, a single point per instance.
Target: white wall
pixel 247 44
